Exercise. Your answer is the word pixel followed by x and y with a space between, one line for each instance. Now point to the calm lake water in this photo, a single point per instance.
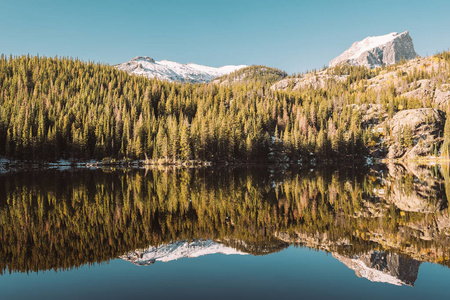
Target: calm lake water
pixel 221 233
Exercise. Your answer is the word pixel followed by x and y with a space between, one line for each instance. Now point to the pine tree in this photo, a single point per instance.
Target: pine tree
pixel 185 147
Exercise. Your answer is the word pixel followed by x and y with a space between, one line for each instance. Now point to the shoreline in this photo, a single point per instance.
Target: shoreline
pixel 62 164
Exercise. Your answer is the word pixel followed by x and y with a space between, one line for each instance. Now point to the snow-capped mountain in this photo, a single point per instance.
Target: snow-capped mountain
pixel 176 251
pixel 173 71
pixel 376 51
pixel 379 266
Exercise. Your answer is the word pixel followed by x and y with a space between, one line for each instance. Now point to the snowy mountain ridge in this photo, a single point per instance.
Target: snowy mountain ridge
pixel 177 250
pixel 173 71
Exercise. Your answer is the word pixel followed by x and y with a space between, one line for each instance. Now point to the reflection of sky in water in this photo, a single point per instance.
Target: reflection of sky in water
pixel 294 273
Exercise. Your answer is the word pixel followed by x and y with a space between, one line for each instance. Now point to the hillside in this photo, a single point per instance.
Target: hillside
pixel 252 74
pixel 387 96
pixel 54 108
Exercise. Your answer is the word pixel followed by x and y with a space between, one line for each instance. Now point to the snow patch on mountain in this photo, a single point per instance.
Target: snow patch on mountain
pixel 173 71
pixel 177 250
pixel 369 43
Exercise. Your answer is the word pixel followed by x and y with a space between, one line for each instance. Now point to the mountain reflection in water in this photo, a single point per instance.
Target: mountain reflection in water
pixel 381 222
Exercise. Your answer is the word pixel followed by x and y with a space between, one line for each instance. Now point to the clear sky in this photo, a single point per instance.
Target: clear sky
pixel 294 36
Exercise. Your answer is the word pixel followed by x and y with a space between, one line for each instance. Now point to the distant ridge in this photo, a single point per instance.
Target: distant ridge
pixel 173 71
pixel 177 250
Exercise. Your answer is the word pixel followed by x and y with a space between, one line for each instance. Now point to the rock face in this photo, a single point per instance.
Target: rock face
pixel 379 266
pixel 173 71
pixel 378 51
pixel 415 131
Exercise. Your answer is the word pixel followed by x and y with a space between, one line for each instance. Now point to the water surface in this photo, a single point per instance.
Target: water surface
pixel 225 233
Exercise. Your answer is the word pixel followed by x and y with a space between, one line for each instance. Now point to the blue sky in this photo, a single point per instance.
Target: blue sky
pixel 294 36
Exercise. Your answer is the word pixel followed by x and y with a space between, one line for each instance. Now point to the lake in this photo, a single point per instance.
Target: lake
pixel 226 232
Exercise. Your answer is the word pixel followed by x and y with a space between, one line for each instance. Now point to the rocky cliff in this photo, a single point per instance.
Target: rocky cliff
pixel 377 51
pixel 379 266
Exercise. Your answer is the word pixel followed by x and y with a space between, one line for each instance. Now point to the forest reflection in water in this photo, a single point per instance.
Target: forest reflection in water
pixel 381 222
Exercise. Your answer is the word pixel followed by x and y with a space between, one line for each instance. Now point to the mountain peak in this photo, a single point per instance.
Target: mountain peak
pixel 144 59
pixel 380 266
pixel 377 51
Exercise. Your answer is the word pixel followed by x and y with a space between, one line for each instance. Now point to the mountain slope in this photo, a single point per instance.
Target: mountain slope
pixel 173 71
pixel 376 51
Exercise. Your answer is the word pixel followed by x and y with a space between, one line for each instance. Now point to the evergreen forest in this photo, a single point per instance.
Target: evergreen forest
pixel 64 108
